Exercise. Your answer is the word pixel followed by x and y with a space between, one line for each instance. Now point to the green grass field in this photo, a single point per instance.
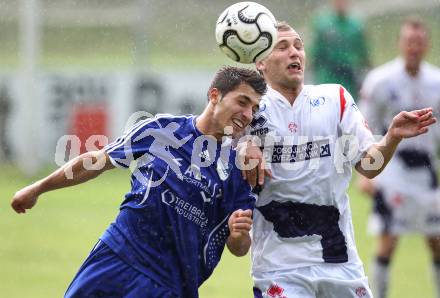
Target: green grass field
pixel 41 250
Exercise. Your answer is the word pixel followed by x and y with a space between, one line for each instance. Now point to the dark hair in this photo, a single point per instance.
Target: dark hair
pixel 229 77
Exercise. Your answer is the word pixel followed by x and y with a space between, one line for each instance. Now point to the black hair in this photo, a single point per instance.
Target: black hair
pixel 228 78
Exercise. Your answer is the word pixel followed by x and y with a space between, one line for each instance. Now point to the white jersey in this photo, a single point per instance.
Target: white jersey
pixel 302 215
pixel 409 182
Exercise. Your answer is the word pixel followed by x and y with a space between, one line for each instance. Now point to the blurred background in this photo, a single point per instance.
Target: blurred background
pixel 82 67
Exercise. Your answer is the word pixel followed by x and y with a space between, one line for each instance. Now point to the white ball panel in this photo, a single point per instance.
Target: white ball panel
pixel 248 32
pixel 266 23
pixel 243 36
pixel 229 53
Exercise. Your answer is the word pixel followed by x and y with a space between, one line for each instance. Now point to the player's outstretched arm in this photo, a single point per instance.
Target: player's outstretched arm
pixel 239 240
pixel 80 169
pixel 404 125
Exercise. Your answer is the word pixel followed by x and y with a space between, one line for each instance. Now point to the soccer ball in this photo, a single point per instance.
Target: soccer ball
pixel 246 32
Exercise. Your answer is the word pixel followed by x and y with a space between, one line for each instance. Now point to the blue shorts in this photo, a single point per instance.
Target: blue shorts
pixel 104 274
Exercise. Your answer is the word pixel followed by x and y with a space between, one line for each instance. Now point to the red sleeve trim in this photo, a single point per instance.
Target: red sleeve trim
pixel 342 101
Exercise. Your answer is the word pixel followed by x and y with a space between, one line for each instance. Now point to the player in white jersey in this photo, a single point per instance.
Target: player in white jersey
pixel 302 237
pixel 406 194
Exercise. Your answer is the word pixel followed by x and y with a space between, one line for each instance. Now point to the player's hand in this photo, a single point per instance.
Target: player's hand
pixel 26 198
pixel 240 223
pixel 411 124
pixel 366 185
pixel 252 164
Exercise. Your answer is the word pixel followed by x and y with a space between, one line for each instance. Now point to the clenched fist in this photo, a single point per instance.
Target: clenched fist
pixel 240 223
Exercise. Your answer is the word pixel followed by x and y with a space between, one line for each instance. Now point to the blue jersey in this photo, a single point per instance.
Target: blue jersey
pixel 173 224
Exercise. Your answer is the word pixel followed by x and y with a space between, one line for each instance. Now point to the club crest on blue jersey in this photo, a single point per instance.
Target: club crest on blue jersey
pixel 223 169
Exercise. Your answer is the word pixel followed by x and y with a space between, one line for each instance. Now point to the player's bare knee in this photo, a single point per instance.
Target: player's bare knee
pixel 387 245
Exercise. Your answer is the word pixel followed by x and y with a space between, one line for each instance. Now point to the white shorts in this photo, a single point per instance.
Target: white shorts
pixel 319 281
pixel 401 212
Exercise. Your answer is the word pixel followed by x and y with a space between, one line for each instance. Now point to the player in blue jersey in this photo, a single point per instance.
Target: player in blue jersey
pixel 187 200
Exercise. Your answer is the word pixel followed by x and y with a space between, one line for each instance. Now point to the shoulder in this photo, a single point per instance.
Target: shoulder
pixel 163 120
pixel 331 91
pixel 382 74
pixel 168 118
pixel 333 98
pixel 323 87
pixel 432 71
pixel 159 121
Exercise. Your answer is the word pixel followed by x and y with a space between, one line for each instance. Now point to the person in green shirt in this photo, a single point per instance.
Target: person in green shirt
pixel 339 51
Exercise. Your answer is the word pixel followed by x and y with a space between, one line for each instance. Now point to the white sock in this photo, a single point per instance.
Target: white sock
pixel 380 276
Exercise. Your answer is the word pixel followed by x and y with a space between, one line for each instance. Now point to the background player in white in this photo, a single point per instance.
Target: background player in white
pixel 166 245
pixel 302 236
pixel 406 194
